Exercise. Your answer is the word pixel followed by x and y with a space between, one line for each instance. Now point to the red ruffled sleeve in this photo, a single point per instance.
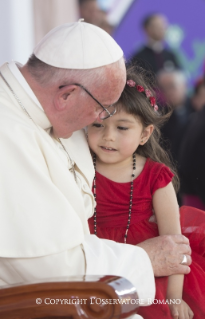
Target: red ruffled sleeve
pixel 161 177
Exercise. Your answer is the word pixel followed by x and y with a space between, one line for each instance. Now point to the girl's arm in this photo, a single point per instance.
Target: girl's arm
pixel 167 210
pixel 167 214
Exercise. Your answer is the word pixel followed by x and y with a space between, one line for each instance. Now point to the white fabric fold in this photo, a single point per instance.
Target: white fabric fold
pixel 106 257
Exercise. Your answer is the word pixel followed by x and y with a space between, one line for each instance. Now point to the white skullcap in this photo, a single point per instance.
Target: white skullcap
pixel 78 45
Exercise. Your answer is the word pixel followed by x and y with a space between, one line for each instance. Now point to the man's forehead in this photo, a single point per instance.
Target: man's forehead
pixel 110 93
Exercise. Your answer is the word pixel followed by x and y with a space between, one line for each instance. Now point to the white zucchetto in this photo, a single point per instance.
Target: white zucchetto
pixel 78 45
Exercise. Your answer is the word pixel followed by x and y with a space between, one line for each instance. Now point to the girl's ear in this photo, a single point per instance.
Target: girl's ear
pixel 147 132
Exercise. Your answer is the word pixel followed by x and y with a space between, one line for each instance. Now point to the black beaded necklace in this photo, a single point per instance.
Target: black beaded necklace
pixel 130 202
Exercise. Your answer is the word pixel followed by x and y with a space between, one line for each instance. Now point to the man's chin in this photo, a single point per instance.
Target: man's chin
pixel 63 135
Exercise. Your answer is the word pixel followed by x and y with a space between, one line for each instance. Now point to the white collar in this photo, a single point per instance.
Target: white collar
pixel 156 46
pixel 15 71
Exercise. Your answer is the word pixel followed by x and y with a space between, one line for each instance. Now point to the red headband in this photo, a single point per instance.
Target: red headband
pixel 147 93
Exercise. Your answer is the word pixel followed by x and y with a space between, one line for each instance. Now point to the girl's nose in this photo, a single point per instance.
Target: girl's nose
pixel 108 134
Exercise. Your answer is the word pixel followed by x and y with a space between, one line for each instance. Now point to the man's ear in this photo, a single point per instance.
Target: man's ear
pixel 146 133
pixel 64 96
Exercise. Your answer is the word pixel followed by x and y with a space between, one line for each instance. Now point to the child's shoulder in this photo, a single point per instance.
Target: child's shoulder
pixel 160 175
pixel 157 169
pixel 156 165
pixel 148 166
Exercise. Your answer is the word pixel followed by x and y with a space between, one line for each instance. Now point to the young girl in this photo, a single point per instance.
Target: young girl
pixel 134 184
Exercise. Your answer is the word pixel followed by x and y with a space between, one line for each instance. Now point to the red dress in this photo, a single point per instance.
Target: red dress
pixel 112 215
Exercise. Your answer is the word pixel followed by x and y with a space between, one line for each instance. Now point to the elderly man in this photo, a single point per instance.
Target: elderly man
pixel 47 171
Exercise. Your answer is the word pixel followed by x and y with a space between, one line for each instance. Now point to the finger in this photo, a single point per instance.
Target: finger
pixel 183 269
pixel 184 313
pixel 175 313
pixel 181 239
pixel 189 260
pixel 191 314
pixel 184 249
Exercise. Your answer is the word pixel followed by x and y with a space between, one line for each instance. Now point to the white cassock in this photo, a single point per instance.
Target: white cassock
pixel 43 230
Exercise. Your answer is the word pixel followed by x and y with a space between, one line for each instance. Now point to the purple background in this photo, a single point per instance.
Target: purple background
pixel 187 14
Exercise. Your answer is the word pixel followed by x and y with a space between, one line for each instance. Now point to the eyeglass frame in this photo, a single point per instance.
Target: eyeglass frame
pixel 104 108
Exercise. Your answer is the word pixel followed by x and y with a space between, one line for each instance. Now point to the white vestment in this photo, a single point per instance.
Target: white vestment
pixel 43 212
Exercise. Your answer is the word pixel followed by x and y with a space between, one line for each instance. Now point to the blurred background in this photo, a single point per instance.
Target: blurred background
pixel 164 37
pixel 24 22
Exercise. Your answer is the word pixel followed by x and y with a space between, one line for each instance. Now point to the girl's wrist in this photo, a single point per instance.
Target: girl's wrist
pixel 174 296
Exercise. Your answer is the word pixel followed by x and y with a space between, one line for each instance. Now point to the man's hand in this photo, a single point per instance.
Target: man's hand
pixel 166 254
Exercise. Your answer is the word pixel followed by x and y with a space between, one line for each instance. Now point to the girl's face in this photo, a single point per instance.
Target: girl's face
pixel 115 139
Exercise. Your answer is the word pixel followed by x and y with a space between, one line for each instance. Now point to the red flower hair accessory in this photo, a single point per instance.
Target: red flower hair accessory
pixel 147 93
pixel 140 88
pixel 131 83
pixel 152 100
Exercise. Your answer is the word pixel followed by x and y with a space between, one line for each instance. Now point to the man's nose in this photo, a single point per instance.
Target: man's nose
pixel 98 119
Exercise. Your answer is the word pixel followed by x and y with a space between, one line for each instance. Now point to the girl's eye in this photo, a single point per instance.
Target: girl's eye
pixel 97 125
pixel 122 128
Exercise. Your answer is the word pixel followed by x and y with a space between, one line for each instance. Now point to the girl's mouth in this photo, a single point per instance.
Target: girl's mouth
pixel 108 149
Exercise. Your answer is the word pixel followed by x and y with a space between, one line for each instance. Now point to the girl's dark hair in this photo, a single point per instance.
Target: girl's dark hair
pixel 137 104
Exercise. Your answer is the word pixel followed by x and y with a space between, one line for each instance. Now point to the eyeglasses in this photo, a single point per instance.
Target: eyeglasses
pixel 105 113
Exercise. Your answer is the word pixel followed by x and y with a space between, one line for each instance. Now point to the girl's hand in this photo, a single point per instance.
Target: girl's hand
pixel 181 311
